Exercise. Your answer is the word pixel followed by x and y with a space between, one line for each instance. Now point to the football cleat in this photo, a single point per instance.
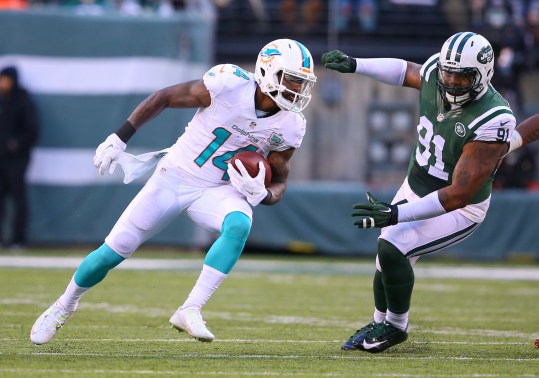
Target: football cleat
pixel 49 323
pixel 190 320
pixel 383 336
pixel 355 341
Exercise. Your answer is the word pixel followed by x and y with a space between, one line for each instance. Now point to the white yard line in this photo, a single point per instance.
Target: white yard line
pixel 258 341
pixel 279 357
pixel 188 373
pixel 280 266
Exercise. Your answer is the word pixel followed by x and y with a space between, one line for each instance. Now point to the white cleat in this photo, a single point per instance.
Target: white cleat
pixel 49 323
pixel 190 320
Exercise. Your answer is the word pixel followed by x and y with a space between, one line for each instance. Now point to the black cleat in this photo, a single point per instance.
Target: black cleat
pixel 383 336
pixel 355 342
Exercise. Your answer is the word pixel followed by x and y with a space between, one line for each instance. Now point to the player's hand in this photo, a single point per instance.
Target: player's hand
pixel 339 61
pixel 107 153
pixel 375 213
pixel 251 187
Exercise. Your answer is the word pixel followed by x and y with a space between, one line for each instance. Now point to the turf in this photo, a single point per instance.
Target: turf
pixel 267 324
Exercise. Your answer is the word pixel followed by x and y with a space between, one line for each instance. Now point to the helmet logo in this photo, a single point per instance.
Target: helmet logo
pixel 268 54
pixel 460 130
pixel 485 55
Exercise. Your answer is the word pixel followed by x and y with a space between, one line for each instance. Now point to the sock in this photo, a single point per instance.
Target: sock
pixel 397 277
pixel 379 316
pixel 72 295
pixel 96 265
pixel 379 292
pixel 398 320
pixel 226 250
pixel 208 281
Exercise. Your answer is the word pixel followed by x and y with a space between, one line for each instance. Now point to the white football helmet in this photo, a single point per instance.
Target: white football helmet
pixel 471 55
pixel 285 72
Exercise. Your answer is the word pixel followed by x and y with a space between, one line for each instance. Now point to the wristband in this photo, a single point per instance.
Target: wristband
pixel 353 64
pixel 515 141
pixel 126 131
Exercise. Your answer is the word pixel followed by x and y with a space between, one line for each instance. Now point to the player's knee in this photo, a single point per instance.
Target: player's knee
pixel 237 225
pixel 124 242
pixel 389 255
pixel 106 257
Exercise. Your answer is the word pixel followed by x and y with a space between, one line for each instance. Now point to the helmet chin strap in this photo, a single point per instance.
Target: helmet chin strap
pixel 457 100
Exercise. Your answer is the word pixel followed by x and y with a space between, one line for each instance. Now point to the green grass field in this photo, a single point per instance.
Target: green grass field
pixel 268 323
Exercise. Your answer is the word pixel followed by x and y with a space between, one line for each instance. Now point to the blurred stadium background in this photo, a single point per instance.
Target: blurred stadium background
pixel 89 62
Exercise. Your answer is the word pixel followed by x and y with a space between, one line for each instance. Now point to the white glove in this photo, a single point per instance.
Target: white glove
pixel 251 187
pixel 107 153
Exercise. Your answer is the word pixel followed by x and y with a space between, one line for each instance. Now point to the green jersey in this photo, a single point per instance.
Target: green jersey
pixel 443 133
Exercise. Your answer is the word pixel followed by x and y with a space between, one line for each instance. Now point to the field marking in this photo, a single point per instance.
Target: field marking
pixel 278 356
pixel 276 266
pixel 177 373
pixel 251 341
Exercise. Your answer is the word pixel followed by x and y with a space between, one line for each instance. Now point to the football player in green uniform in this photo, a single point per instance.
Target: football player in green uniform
pixel 463 129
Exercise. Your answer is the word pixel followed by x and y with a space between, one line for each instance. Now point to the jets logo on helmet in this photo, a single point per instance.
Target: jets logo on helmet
pixel 284 72
pixel 468 55
pixel 485 55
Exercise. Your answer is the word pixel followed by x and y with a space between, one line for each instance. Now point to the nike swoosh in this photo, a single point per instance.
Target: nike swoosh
pixel 503 123
pixel 373 345
pixel 386 211
pixel 251 193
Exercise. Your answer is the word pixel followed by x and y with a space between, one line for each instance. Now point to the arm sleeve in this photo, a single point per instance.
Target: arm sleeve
pixel 387 70
pixel 424 208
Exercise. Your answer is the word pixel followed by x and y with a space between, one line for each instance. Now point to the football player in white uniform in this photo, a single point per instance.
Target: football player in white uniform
pixel 463 133
pixel 237 111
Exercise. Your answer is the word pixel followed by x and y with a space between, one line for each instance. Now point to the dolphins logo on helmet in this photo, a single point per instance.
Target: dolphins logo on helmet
pixel 286 62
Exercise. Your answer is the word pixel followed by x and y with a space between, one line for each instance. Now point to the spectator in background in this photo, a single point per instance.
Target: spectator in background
pixel 365 11
pixel 502 22
pixel 13 4
pixel 18 135
pixel 311 14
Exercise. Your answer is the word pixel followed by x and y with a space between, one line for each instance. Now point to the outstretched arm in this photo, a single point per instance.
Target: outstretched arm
pixel 387 70
pixel 526 132
pixel 192 94
pixel 476 164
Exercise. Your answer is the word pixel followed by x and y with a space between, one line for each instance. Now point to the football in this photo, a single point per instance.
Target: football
pixel 250 160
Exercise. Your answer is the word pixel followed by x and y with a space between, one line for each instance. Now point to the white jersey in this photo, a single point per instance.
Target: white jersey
pixel 230 125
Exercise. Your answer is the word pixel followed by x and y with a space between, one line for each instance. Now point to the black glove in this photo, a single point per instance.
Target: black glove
pixel 339 61
pixel 375 213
